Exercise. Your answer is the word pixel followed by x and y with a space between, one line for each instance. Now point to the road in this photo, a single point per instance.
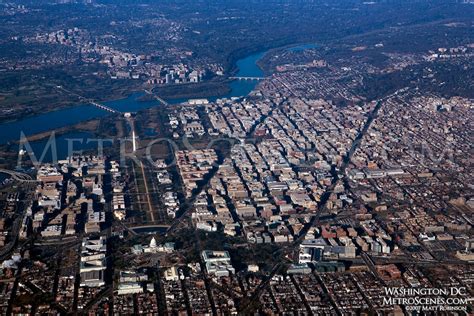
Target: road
pixel 18 176
pixel 285 251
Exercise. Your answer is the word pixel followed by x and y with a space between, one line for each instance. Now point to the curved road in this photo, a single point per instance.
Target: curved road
pixel 18 176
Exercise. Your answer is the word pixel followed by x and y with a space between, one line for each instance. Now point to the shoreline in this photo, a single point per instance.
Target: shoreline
pixel 89 126
pixel 222 86
pixel 66 105
pixel 207 89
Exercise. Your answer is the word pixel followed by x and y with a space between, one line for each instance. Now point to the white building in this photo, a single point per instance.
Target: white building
pixel 218 263
pixel 93 262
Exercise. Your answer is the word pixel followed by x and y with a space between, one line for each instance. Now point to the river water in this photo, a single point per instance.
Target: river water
pixel 11 131
pixel 247 67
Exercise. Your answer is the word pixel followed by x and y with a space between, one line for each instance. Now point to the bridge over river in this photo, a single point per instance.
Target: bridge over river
pixel 248 78
pixel 87 100
pixel 149 92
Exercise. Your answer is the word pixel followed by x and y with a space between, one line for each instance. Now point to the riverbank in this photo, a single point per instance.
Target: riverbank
pixel 265 65
pixel 207 89
pixel 38 142
pixel 55 100
pixel 10 132
pixel 87 126
pixel 62 119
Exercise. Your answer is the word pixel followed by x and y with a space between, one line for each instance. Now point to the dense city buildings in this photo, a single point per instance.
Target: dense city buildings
pixel 297 158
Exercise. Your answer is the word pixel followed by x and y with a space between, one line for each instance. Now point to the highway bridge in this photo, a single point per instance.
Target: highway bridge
pixel 102 107
pixel 248 78
pixel 18 176
pixel 161 100
pixel 90 101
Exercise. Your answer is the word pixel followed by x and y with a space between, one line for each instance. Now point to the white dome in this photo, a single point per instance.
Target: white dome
pixel 153 243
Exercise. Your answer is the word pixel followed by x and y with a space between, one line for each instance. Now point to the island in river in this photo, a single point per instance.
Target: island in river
pixel 67 122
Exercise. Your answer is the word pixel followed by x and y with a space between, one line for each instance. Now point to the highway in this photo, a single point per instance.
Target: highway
pixel 18 176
